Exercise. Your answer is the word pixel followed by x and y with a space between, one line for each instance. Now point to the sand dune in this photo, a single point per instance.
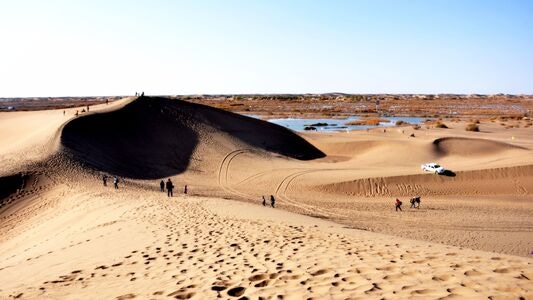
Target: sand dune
pixel 501 181
pixel 66 236
pixel 471 147
pixel 155 137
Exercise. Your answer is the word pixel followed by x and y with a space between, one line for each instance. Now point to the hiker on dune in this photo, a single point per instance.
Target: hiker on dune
pixel 170 187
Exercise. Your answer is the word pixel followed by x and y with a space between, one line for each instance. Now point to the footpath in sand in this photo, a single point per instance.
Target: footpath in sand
pixel 66 236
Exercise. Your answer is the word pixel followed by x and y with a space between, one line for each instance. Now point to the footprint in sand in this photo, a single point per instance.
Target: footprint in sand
pixel 125 297
pixel 320 272
pixel 258 277
pixel 236 291
pixel 472 273
pixel 422 292
pixel 444 277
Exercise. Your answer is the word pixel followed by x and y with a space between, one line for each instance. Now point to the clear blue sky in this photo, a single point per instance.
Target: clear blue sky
pixel 57 48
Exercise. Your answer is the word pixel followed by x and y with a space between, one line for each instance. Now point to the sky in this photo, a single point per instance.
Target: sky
pixel 113 47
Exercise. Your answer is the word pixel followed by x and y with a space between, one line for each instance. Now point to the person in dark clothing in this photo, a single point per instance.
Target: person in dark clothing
pixel 415 202
pixel 264 201
pixel 272 201
pixel 170 187
pixel 162 185
pixel 185 190
pixel 115 182
pixel 398 204
pixel 104 179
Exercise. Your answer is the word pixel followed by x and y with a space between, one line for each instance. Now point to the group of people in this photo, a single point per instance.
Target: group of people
pixel 170 187
pixel 115 181
pixel 415 203
pixel 272 201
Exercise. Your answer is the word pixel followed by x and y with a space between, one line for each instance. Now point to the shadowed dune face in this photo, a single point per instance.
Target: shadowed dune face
pixel 9 185
pixel 470 147
pixel 155 137
pixel 142 140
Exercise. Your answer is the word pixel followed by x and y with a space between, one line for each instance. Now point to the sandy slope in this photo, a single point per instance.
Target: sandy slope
pixel 66 236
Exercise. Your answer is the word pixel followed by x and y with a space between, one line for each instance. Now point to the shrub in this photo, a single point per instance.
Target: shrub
pixel 472 127
pixel 400 122
pixel 440 125
pixel 416 127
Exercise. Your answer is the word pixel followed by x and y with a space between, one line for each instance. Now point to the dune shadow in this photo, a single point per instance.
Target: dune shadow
pixel 10 184
pixel 141 140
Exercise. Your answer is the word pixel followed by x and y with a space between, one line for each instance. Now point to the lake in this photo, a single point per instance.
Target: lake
pixel 340 124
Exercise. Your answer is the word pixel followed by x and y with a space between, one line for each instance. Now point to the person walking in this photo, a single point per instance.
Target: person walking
pixel 264 201
pixel 272 201
pixel 398 204
pixel 185 190
pixel 162 185
pixel 170 187
pixel 115 182
pixel 104 179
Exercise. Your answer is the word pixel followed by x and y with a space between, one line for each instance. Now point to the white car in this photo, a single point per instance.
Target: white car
pixel 433 168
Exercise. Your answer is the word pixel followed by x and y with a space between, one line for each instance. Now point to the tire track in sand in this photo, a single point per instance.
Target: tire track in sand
pixel 281 193
pixel 224 170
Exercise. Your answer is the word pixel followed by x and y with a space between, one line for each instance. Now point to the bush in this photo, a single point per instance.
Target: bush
pixel 440 125
pixel 416 127
pixel 400 122
pixel 472 127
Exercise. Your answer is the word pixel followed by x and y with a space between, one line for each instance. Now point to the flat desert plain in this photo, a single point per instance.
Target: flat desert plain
pixel 334 232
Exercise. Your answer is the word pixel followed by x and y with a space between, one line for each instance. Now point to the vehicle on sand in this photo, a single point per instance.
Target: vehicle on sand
pixel 433 168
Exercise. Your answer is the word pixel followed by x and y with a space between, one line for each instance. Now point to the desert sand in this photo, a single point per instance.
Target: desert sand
pixel 333 234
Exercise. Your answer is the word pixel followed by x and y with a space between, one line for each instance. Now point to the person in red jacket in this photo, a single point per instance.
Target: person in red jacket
pixel 398 204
